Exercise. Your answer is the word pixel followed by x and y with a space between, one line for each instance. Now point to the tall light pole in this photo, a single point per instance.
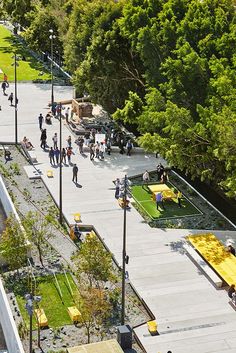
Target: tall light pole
pixel 52 37
pixel 60 171
pixel 125 258
pixel 15 63
pixel 30 299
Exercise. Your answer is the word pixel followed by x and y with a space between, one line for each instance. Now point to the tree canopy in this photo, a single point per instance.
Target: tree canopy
pixel 165 66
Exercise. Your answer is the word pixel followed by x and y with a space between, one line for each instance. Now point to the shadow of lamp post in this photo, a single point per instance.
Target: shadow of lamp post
pixel 30 299
pixel 15 64
pixel 125 183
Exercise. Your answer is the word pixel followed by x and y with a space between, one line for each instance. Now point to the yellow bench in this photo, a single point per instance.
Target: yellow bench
pixel 152 327
pixel 74 313
pixel 214 252
pixel 41 318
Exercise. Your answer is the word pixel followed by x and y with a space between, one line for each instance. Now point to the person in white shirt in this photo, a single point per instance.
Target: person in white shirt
pixel 146 178
pixel 101 150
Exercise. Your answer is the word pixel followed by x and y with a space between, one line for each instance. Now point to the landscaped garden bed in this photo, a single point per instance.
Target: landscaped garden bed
pixel 196 213
pixel 32 195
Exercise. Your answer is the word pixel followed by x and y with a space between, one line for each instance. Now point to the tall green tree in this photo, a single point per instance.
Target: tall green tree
pixel 38 230
pixel 13 244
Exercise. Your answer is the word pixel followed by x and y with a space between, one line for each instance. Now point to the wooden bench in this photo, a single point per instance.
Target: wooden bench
pixel 203 265
pixel 41 318
pixel 216 255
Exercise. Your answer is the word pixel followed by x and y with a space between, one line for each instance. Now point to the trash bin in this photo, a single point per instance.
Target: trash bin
pixel 124 336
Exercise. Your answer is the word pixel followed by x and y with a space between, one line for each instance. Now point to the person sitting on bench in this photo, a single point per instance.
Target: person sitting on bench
pixel 77 232
pixel 27 144
pixel 7 155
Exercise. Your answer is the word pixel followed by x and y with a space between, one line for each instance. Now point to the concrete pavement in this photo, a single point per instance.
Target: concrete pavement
pixel 192 315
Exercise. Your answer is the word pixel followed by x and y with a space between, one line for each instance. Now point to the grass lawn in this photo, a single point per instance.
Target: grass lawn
pixel 28 69
pixel 54 308
pixel 143 197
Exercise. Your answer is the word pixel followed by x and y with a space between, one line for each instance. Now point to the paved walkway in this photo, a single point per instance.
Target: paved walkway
pixel 192 315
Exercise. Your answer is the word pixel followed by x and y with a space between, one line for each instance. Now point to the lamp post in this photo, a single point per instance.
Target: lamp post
pixel 30 299
pixel 125 258
pixel 60 171
pixel 52 37
pixel 15 63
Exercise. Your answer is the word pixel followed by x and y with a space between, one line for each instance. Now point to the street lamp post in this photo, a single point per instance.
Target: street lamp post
pixel 15 63
pixel 52 37
pixel 60 171
pixel 30 299
pixel 125 258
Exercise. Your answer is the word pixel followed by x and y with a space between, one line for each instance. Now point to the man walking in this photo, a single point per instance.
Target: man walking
pixel 159 200
pixel 40 121
pixel 54 139
pixel 146 178
pixel 43 139
pixel 51 156
pixel 75 173
pixel 57 154
pixel 10 98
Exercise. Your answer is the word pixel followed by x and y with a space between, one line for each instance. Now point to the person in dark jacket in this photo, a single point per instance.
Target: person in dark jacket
pixel 43 139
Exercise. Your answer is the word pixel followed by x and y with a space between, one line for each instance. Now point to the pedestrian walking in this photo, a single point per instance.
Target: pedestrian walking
pixel 75 173
pixel 101 151
pixel 67 114
pixel 164 178
pixel 43 139
pixel 146 178
pixel 159 200
pixel 117 192
pixel 81 145
pixel 54 139
pixel 108 145
pixel 69 153
pixel 69 141
pixel 179 196
pixel 92 151
pixel 5 78
pixel 57 154
pixel 63 155
pixel 160 171
pixel 40 118
pixel 129 147
pixel 97 150
pixel 4 86
pixel 10 98
pixel 51 156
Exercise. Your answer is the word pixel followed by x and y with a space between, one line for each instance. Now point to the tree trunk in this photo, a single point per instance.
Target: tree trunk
pixel 88 334
pixel 40 255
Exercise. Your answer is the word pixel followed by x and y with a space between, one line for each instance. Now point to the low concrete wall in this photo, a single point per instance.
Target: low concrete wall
pixel 11 335
pixel 7 203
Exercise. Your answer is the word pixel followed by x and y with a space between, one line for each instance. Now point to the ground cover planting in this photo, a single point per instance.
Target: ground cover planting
pixel 28 68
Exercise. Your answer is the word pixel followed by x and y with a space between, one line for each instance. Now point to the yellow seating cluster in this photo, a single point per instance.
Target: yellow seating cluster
pixel 215 253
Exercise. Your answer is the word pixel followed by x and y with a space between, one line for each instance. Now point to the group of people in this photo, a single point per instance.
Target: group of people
pixel 163 177
pixel 5 86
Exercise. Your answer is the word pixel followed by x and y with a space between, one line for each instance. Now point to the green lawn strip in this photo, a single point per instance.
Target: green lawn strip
pixel 144 197
pixel 28 69
pixel 54 308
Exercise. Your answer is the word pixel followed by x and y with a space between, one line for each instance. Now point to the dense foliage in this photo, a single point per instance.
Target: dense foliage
pixel 165 66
